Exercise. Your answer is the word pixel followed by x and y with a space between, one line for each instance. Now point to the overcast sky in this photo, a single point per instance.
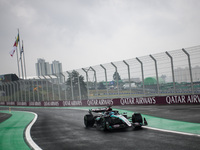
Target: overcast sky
pixel 83 33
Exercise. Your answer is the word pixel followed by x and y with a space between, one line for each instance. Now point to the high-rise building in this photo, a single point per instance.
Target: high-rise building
pixel 183 74
pixel 56 67
pixel 44 68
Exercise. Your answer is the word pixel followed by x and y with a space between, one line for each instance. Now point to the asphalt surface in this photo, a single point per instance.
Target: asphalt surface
pixel 63 129
pixel 4 116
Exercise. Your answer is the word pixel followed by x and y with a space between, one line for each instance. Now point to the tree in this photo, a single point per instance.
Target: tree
pixel 163 77
pixel 74 76
pixel 116 76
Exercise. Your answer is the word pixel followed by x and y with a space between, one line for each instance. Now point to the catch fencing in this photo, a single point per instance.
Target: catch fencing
pixel 175 72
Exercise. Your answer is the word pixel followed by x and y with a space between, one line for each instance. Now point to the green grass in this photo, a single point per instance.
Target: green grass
pixel 12 131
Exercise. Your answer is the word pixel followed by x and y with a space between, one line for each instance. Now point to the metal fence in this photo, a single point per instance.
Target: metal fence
pixel 174 72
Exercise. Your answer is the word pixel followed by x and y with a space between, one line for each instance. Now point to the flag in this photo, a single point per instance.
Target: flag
pixel 14 46
pixel 13 49
pixel 17 40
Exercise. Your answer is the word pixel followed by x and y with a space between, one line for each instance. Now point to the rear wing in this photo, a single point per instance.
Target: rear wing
pixel 98 110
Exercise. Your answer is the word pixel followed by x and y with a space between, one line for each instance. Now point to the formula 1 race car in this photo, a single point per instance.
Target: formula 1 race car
pixel 108 119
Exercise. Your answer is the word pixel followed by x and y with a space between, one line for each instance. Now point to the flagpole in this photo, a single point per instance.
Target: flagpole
pixel 17 60
pixel 24 60
pixel 21 59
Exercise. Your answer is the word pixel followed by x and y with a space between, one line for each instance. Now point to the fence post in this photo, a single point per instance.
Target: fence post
pixel 7 92
pixel 87 82
pixel 10 86
pixel 79 87
pixel 52 86
pixel 42 88
pixel 190 69
pixel 33 89
pixel 17 83
pixel 172 68
pixel 4 91
pixel 58 81
pixel 25 89
pixel 14 91
pixel 142 70
pixel 158 88
pixel 47 85
pixel 64 84
pixel 21 89
pixel 105 77
pixel 1 96
pixel 29 90
pixel 1 90
pixel 38 90
pixel 95 80
pixel 72 88
pixel 117 77
pixel 129 77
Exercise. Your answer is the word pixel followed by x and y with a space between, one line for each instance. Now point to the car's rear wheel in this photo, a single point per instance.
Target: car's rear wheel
pixel 89 120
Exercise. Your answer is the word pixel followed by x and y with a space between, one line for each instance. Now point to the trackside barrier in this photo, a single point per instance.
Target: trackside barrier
pixel 159 100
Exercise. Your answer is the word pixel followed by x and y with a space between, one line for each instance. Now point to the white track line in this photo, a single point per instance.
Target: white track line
pixel 29 140
pixel 170 131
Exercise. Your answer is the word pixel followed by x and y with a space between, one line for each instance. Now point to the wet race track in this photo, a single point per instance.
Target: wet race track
pixel 63 129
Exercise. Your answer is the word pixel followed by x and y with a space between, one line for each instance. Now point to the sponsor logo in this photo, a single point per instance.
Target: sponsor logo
pixel 182 99
pixel 97 102
pixel 21 103
pixel 72 103
pixel 137 101
pixel 51 103
pixel 10 103
pixel 35 104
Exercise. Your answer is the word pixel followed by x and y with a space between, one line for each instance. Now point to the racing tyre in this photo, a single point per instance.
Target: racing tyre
pixel 89 120
pixel 102 124
pixel 137 118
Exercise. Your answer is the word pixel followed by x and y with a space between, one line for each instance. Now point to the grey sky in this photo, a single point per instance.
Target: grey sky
pixel 83 33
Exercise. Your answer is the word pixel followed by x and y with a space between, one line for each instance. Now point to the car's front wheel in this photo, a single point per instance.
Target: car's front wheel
pixel 137 120
pixel 101 124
